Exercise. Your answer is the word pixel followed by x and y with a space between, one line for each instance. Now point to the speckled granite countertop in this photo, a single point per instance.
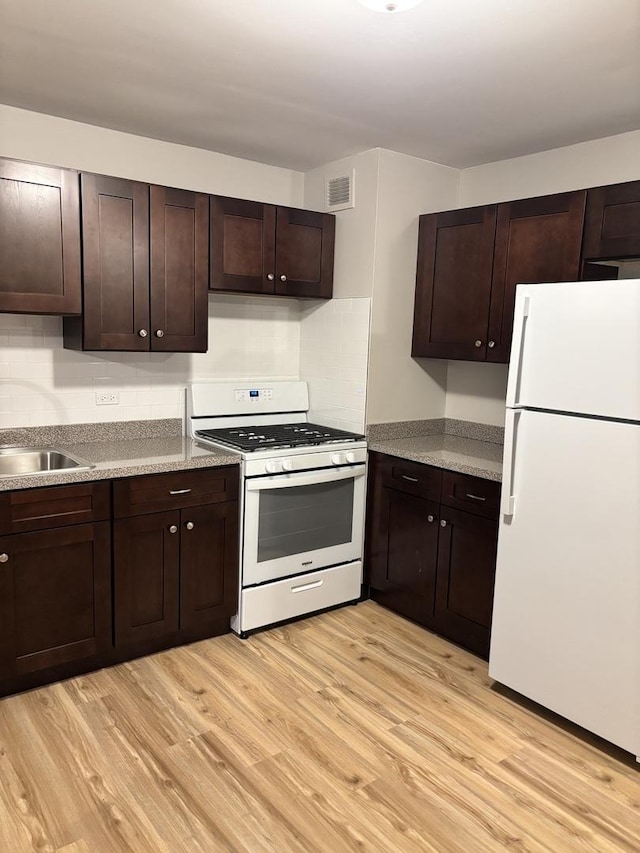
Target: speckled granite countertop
pixel 454 449
pixel 123 451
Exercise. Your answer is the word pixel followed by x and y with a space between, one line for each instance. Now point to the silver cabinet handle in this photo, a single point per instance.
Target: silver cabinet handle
pixel 475 497
pixel 189 525
pixel 478 343
pixel 270 276
pixel 173 529
pixel 4 558
pixel 143 333
pixel 443 523
pixel 410 479
pixel 491 344
pixel 159 333
pixel 283 278
pixel 431 519
pixel 179 491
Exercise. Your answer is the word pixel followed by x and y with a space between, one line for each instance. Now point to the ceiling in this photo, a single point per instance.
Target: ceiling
pixel 298 83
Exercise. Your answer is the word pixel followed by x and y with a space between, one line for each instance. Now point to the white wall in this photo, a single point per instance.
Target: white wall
pixel 356 227
pixel 399 387
pixel 60 142
pixel 610 160
pixel 477 391
pixel 376 246
pixel 42 383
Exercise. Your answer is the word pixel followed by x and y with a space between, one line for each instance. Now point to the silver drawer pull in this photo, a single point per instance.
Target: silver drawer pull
pixel 4 558
pixel 410 479
pixel 475 497
pixel 303 586
pixel 179 491
pixel 189 525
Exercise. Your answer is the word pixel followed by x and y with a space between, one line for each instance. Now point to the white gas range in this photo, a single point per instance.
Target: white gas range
pixel 302 498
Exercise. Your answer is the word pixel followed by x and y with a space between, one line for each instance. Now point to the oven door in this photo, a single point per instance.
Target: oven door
pixel 300 522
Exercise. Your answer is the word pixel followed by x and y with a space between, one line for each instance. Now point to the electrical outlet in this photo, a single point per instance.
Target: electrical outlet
pixel 107 398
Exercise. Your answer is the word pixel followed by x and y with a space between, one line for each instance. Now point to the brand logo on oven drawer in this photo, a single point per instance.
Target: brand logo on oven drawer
pixel 308 563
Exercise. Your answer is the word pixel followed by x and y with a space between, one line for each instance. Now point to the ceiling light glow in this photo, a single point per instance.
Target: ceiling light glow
pixel 389 6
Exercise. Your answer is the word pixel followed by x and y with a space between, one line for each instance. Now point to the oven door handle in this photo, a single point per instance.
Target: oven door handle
pixel 306 478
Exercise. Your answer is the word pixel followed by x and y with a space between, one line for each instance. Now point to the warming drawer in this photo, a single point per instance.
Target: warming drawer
pixel 286 599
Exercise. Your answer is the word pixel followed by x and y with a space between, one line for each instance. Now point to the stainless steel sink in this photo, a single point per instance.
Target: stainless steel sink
pixel 17 461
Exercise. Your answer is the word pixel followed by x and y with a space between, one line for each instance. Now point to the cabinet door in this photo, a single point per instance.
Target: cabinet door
pixel 115 254
pixel 612 222
pixel 453 283
pixel 208 564
pixel 55 597
pixel 409 527
pixel 537 239
pixel 304 253
pixel 467 549
pixel 39 239
pixel 179 270
pixel 242 245
pixel 146 567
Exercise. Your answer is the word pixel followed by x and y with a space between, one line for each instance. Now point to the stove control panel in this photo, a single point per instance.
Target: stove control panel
pixel 277 466
pixel 253 395
pixel 256 466
pixel 347 458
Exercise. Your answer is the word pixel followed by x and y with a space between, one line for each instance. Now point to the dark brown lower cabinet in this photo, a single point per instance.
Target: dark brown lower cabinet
pixel 175 572
pixel 55 597
pixel 431 547
pixel 466 575
pixel 146 576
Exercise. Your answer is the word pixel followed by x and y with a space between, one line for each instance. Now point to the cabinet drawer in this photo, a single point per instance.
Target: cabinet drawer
pixel 158 492
pixel 473 494
pixel 413 477
pixel 53 506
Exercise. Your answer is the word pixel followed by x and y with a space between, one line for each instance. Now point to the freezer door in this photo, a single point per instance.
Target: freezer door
pixel 566 618
pixel 576 348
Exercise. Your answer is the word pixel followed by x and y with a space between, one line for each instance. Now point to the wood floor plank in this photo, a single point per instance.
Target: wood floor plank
pixel 354 730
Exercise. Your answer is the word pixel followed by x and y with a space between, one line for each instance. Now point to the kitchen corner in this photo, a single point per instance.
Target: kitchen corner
pixel 463 446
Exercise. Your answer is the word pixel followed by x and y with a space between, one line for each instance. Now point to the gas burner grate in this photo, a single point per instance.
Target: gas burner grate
pixel 250 438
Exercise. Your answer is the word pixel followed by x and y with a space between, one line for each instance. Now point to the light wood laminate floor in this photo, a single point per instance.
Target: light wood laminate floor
pixel 353 730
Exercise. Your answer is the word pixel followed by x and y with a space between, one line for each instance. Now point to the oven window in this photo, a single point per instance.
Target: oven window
pixel 304 518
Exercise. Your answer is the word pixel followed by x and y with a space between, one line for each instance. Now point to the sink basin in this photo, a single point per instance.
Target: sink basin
pixel 17 461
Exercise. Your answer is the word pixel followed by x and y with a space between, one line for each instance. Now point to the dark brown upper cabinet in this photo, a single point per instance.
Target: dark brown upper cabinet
pixel 145 268
pixel 39 239
pixel 453 283
pixel 470 261
pixel 263 249
pixel 179 270
pixel 612 222
pixel 537 240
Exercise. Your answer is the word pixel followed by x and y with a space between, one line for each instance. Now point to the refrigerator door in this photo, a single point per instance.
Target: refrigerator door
pixel 576 348
pixel 566 619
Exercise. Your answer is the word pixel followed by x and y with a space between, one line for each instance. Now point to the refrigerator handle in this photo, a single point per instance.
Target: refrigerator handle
pixel 517 350
pixel 508 498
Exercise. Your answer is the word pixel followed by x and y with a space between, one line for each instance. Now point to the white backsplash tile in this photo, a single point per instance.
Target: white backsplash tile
pixel 43 383
pixel 334 342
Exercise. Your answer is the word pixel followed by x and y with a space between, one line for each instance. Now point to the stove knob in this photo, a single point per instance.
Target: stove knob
pixel 273 466
pixel 338 459
pixel 351 457
pixel 287 465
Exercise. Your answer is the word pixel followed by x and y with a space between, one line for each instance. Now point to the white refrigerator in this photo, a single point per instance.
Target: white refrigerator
pixel 566 619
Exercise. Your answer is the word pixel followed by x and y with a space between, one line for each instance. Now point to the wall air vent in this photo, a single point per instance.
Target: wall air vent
pixel 339 192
